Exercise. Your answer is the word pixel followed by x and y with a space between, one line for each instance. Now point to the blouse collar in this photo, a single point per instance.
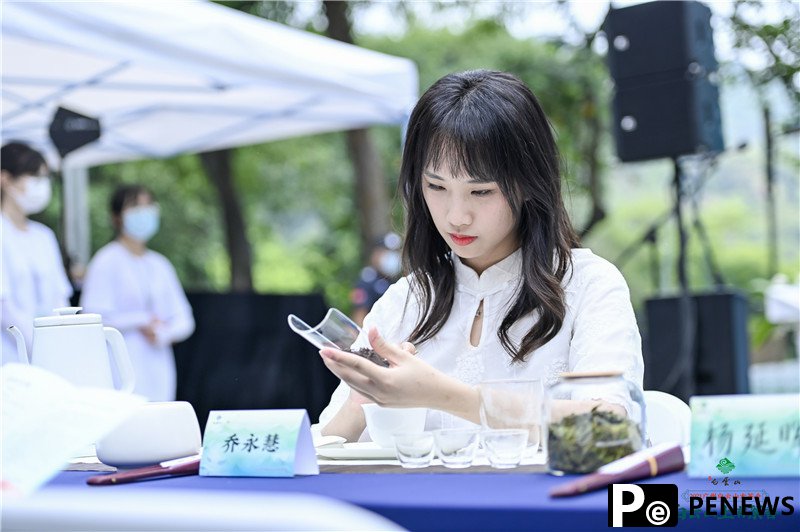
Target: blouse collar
pixel 493 279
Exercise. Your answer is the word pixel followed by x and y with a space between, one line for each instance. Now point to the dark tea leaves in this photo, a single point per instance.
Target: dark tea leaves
pixel 371 355
pixel 582 443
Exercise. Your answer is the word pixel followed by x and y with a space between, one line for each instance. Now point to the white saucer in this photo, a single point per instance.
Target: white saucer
pixel 357 451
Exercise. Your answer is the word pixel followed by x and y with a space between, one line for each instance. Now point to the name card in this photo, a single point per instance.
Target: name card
pixel 745 436
pixel 258 443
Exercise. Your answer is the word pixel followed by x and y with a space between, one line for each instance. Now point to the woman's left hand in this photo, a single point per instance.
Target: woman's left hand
pixel 407 382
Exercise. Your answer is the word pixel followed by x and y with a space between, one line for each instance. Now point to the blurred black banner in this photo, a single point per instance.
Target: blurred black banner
pixel 244 356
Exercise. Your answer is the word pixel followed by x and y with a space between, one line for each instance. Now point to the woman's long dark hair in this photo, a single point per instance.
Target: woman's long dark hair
pixel 488 125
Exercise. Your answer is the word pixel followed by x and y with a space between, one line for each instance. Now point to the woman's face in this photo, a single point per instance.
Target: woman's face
pixel 141 219
pixel 30 192
pixel 473 217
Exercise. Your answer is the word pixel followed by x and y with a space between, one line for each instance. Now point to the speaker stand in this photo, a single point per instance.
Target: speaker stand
pixel 681 378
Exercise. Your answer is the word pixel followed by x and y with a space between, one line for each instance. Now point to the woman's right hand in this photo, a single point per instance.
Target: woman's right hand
pixel 408 381
pixel 359 399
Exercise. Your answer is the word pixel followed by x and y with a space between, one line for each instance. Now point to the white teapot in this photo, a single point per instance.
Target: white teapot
pixel 74 346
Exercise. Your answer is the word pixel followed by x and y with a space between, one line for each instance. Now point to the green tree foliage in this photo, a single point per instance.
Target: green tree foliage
pixel 562 77
pixel 191 229
pixel 777 42
pixel 296 199
pixel 297 194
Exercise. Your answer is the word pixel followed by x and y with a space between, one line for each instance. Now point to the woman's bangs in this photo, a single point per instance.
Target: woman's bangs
pixel 462 157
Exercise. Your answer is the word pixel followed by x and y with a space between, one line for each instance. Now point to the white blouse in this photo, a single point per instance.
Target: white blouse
pixel 32 280
pixel 130 291
pixel 599 332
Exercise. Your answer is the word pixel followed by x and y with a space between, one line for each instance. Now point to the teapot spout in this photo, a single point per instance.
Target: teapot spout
pixel 22 350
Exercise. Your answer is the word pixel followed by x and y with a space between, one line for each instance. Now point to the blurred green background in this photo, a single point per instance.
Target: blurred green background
pixel 297 195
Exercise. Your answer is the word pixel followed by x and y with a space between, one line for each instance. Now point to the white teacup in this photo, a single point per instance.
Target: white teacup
pixel 383 423
pixel 154 433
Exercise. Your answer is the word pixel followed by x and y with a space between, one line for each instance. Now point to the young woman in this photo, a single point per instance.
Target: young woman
pixel 137 291
pixel 498 287
pixel 33 278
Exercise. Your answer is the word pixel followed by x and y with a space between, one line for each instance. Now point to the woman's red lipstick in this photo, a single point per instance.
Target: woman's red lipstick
pixel 462 240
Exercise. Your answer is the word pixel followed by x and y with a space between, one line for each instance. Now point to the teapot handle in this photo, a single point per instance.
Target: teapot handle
pixel 22 350
pixel 119 353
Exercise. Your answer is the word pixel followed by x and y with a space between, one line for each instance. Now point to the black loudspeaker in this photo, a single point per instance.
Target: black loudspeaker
pixel 720 352
pixel 666 102
pixel 666 118
pixel 658 37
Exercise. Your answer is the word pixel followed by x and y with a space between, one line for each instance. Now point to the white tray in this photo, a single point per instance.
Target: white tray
pixel 357 451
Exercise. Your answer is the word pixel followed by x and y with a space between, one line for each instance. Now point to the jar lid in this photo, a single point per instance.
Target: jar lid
pixel 589 374
pixel 67 316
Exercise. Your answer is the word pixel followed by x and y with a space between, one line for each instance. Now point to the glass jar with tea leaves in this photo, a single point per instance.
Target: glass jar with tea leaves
pixel 591 419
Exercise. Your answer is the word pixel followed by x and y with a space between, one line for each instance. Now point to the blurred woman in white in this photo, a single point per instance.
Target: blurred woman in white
pixel 33 278
pixel 138 292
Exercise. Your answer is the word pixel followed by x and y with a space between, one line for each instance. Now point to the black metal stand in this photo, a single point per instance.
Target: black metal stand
pixel 681 380
pixel 708 252
pixel 650 236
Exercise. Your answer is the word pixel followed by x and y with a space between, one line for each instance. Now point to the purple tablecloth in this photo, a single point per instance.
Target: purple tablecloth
pixel 468 501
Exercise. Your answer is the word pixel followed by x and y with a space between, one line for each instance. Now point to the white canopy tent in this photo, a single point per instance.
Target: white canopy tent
pixel 166 78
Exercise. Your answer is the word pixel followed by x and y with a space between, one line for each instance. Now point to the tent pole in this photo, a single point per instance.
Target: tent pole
pixel 77 230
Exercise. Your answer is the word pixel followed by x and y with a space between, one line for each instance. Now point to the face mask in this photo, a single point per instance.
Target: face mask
pixel 35 196
pixel 390 264
pixel 141 223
